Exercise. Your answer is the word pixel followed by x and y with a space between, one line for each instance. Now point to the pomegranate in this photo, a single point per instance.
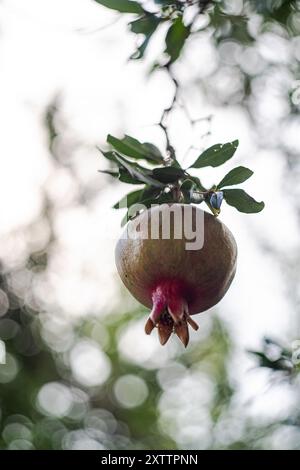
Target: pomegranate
pixel 176 282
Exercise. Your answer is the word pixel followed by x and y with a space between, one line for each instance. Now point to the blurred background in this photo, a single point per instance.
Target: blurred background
pixel 79 371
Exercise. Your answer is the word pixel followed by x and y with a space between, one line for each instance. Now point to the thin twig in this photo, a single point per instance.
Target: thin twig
pixel 162 123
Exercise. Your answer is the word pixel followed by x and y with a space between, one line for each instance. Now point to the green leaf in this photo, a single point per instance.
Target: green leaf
pixel 166 2
pixel 239 199
pixel 140 196
pixel 128 200
pixel 133 148
pixel 126 177
pixel 216 155
pixel 168 174
pixel 150 192
pixel 140 51
pixel 107 154
pixel 146 25
pixel 115 174
pixel 236 176
pixel 175 38
pixel 163 198
pixel 175 162
pixel 130 147
pixel 130 172
pixel 122 174
pixel 123 163
pixel 187 188
pixel 137 197
pixel 123 6
pixel 137 172
pixel 197 182
pixel 153 151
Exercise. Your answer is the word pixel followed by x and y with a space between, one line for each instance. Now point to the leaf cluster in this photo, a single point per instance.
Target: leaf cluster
pixel 165 181
pixel 146 23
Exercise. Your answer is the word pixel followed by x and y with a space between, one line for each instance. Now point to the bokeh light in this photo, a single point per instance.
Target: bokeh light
pixel 89 364
pixel 130 391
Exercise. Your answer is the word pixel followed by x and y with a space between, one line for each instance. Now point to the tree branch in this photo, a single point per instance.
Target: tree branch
pixel 162 123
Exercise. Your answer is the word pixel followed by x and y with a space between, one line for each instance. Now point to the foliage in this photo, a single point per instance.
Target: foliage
pixel 170 182
pixel 173 13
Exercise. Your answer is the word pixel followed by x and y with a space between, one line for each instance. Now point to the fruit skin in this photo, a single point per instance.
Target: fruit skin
pixel 172 280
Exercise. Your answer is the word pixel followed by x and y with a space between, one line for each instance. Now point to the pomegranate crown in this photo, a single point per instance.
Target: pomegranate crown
pixel 170 312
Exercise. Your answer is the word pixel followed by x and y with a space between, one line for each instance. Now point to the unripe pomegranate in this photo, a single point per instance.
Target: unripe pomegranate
pixel 166 276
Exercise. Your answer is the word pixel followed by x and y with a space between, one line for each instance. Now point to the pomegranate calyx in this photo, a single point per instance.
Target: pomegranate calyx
pixel 165 329
pixel 192 322
pixel 182 331
pixel 150 325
